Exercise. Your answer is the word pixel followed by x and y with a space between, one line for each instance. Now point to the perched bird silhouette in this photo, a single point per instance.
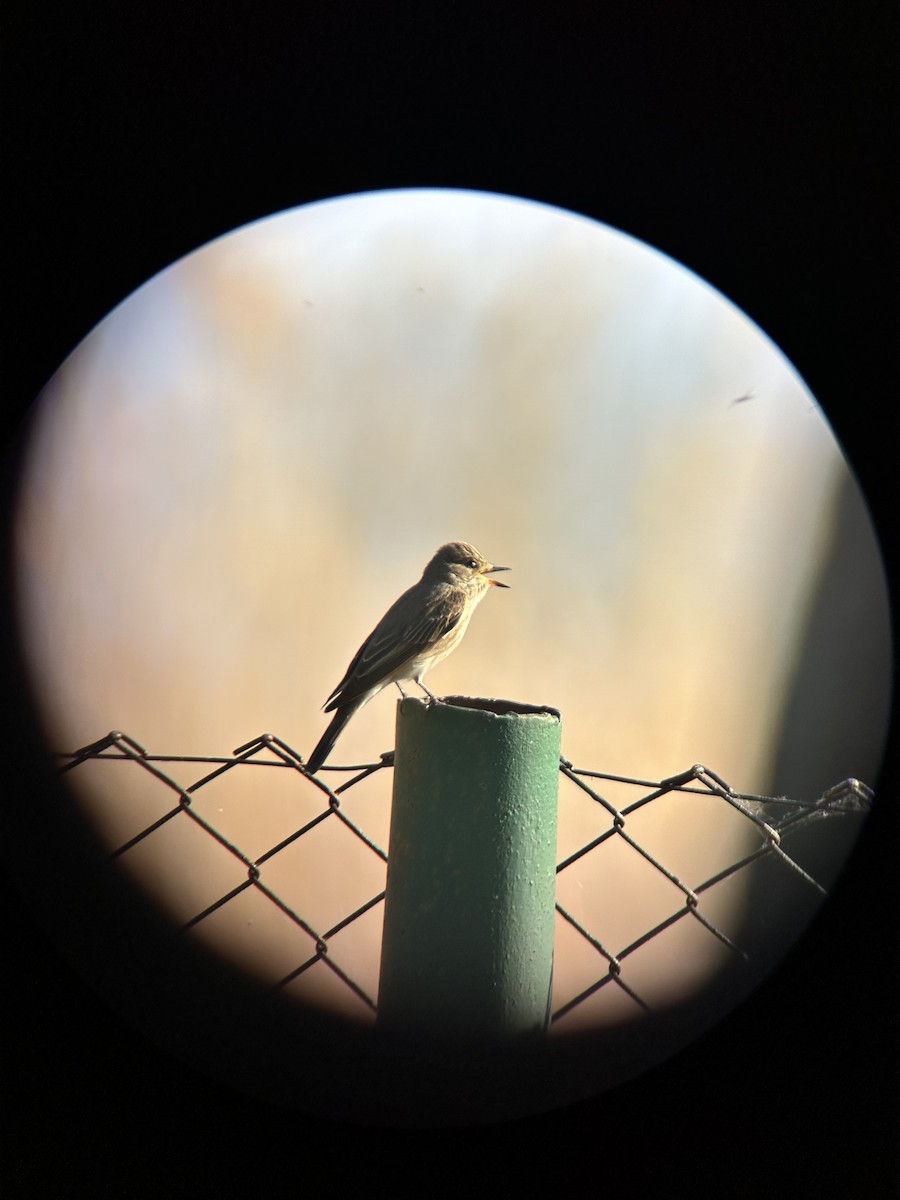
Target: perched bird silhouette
pixel 417 631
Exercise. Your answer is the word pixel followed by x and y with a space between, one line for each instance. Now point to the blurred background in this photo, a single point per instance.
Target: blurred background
pixel 237 472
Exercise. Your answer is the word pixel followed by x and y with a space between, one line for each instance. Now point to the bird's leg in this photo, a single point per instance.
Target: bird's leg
pixel 431 696
pixel 402 693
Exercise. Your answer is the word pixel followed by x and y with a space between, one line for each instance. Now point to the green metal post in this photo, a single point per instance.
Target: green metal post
pixel 471 884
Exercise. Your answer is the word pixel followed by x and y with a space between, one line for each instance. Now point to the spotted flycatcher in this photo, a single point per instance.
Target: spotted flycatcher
pixel 417 631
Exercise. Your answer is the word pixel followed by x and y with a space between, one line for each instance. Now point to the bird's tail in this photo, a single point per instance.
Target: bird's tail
pixel 329 737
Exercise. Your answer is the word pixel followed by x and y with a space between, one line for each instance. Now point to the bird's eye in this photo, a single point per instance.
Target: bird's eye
pixel 470 562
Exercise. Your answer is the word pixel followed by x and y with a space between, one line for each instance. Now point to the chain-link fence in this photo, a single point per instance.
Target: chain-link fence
pixel 762 829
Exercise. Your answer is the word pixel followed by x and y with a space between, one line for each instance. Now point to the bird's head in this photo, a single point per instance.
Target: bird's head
pixel 460 564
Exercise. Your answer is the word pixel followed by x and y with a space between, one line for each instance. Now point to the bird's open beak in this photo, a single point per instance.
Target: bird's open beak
pixel 495 582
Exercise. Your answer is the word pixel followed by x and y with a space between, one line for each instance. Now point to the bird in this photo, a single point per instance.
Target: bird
pixel 419 629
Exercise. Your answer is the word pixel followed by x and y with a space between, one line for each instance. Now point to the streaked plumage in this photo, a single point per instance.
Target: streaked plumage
pixel 419 629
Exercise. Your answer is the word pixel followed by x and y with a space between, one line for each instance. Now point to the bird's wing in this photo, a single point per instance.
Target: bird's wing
pixel 405 631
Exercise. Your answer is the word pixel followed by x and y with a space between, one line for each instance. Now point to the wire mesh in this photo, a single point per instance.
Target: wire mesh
pixel 768 825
